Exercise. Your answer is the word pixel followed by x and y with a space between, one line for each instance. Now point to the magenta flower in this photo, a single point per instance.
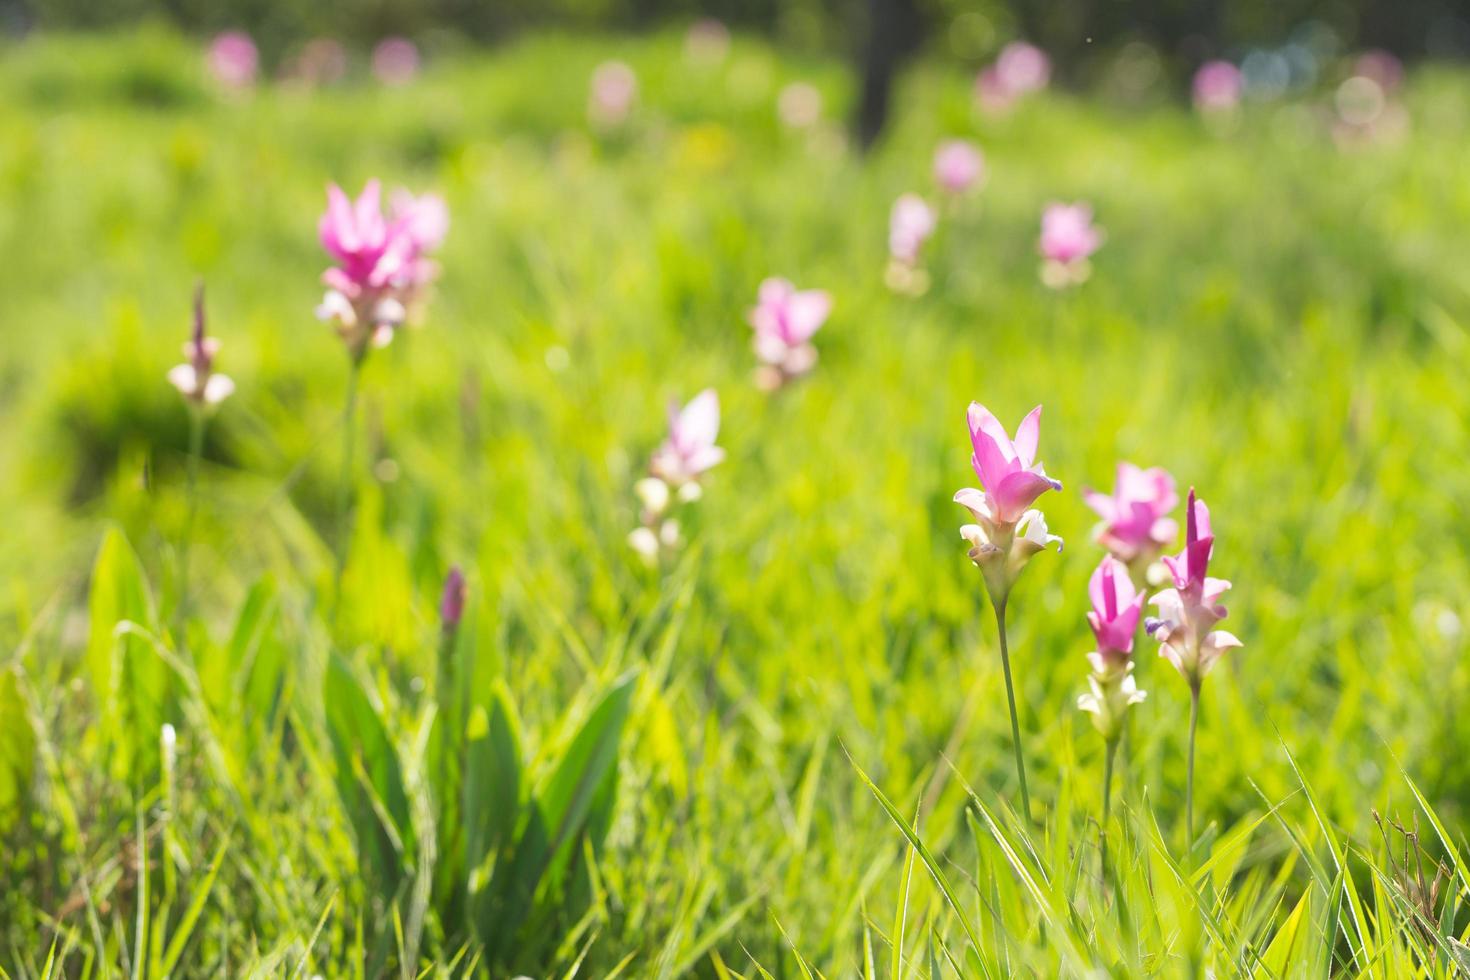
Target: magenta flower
pixel 614 89
pixel 196 378
pixel 451 603
pixel 909 227
pixel 1185 626
pixel 1217 86
pixel 784 320
pixel 1023 68
pixel 690 448
pixel 1116 606
pixel 1007 467
pixel 395 61
pixel 233 60
pixel 1067 233
pixel 1135 523
pixel 382 267
pixel 1006 533
pixel 958 165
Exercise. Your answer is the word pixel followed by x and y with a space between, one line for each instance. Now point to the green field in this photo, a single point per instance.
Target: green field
pixel 1281 322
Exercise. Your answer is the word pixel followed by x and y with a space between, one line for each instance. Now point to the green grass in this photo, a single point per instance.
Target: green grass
pixel 1282 324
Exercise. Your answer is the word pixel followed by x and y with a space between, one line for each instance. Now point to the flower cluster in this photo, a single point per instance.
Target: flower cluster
pixel 1007 531
pixel 674 474
pixel 1116 606
pixel 1068 239
pixel 196 378
pixel 1185 625
pixel 784 320
pixel 382 261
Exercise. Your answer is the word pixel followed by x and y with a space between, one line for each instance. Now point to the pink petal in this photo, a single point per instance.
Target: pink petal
pixel 1018 491
pixel 1028 434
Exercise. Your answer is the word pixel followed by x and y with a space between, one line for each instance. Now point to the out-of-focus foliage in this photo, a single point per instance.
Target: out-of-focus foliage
pixel 1279 315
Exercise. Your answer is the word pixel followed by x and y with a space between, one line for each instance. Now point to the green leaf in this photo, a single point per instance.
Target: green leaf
pixel 17 751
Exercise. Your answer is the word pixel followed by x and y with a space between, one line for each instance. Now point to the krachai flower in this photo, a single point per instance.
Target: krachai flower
pixel 395 61
pixel 233 60
pixel 784 320
pixel 382 267
pixel 614 89
pixel 1217 86
pixel 1135 524
pixel 1006 534
pixel 1068 239
pixel 1109 699
pixel 690 448
pixel 909 227
pixel 1020 69
pixel 958 165
pixel 196 378
pixel 1185 626
pixel 1116 605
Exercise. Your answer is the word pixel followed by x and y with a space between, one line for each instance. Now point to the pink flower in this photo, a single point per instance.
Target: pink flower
pixel 1007 468
pixel 958 165
pixel 707 41
pixel 799 105
pixel 1382 67
pixel 1067 233
pixel 910 225
pixel 395 61
pixel 451 603
pixel 614 90
pixel 690 448
pixel 1217 86
pixel 321 61
pixel 233 60
pixel 1023 68
pixel 1135 523
pixel 1185 626
pixel 382 266
pixel 1116 606
pixel 784 320
pixel 196 378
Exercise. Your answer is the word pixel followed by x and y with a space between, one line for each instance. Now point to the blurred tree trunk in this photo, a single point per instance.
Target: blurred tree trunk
pixel 895 28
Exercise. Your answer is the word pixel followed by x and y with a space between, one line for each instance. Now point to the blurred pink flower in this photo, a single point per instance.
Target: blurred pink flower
pixel 1116 605
pixel 1067 233
pixel 1023 68
pixel 690 448
pixel 910 225
pixel 451 603
pixel 1185 626
pixel 322 61
pixel 233 60
pixel 1135 519
pixel 958 165
pixel 381 263
pixel 1218 86
pixel 707 42
pixel 1382 67
pixel 1007 468
pixel 799 105
pixel 614 90
pixel 196 378
pixel 784 320
pixel 395 61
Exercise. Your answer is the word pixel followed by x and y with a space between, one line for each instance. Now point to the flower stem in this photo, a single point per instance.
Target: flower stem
pixel 1107 804
pixel 344 486
pixel 196 450
pixel 1005 662
pixel 1189 773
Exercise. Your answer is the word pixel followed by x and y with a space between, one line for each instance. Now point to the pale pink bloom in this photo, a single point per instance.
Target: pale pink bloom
pixel 991 91
pixel 233 60
pixel 395 61
pixel 1185 626
pixel 1007 468
pixel 784 320
pixel 909 227
pixel 707 42
pixel 614 90
pixel 1218 86
pixel 1116 606
pixel 196 378
pixel 1023 68
pixel 799 105
pixel 1067 233
pixel 958 165
pixel 1135 519
pixel 690 448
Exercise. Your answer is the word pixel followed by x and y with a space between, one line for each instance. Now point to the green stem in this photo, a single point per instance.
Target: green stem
pixel 1005 662
pixel 344 486
pixel 1107 804
pixel 196 450
pixel 1189 772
